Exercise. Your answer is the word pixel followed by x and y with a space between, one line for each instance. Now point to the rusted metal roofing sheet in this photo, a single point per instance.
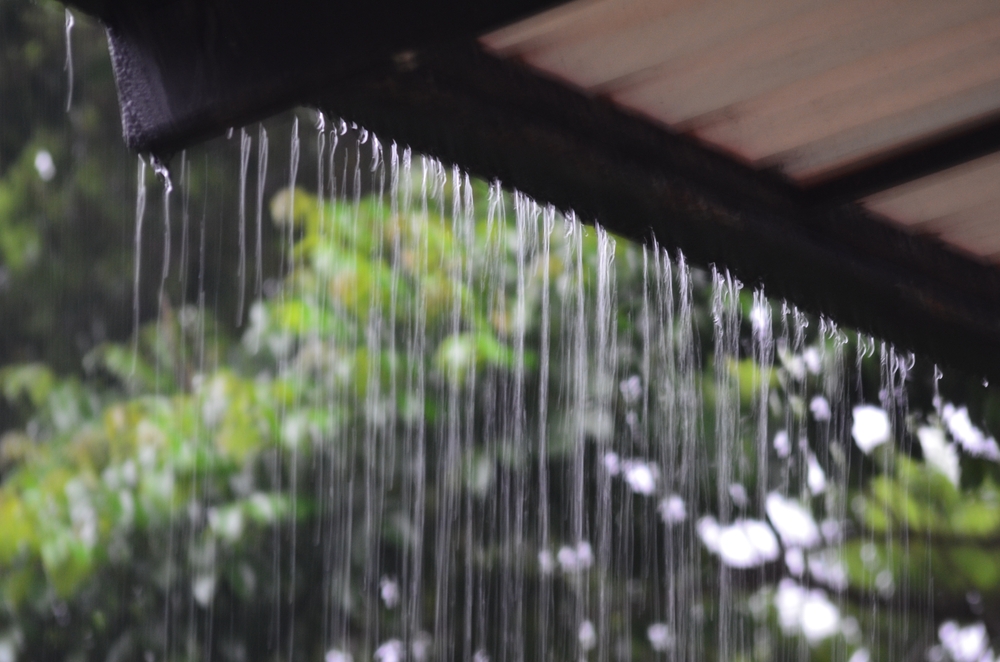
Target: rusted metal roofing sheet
pixel 813 88
pixel 960 205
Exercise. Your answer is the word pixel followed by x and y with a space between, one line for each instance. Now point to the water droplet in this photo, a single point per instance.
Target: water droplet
pixel 70 22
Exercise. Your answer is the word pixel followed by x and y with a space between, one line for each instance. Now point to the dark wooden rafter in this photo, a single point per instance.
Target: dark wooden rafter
pixel 443 95
pixel 189 69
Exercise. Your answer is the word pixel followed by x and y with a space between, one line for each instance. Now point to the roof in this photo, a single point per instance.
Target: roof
pixel 818 90
pixel 841 153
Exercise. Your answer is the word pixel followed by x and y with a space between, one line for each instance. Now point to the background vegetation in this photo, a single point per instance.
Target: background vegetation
pixel 144 496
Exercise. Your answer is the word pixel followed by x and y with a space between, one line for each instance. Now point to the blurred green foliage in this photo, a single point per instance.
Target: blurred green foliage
pixel 68 201
pixel 145 495
pixel 169 471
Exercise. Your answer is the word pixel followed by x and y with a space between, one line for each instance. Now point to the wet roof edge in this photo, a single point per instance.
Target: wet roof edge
pixel 500 120
pixel 425 82
pixel 189 69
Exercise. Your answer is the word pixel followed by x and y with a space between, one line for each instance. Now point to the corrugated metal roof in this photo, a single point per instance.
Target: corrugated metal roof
pixel 813 88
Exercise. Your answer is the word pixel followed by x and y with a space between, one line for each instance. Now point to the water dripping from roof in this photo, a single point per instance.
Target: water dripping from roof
pixel 246 142
pixel 567 462
pixel 70 22
pixel 261 184
pixel 140 212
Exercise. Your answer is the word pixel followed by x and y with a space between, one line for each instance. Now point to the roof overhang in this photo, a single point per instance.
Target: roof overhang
pixel 641 149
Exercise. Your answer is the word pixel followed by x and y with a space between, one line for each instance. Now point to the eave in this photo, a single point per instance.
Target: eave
pixel 424 77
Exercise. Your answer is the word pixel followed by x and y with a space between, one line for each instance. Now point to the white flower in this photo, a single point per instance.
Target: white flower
pixel 860 655
pixel 820 408
pixel 820 617
pixel 420 647
pixel 738 494
pixel 659 637
pixel 45 166
pixel 971 438
pixel 612 463
pixel 641 477
pixel 795 560
pixel 816 477
pixel 574 560
pixel 782 446
pixel 968 644
pixel 747 543
pixel 587 635
pixel 390 651
pixel 709 531
pixel 335 655
pixel 227 523
pixel 813 360
pixel 805 611
pixel 792 521
pixel 389 591
pixel 546 562
pixel 672 510
pixel 871 427
pixel 743 544
pixel 203 589
pixel 938 453
pixel 631 389
pixel 567 559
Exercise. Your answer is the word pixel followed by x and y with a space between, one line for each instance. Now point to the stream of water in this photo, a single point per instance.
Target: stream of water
pixel 507 435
